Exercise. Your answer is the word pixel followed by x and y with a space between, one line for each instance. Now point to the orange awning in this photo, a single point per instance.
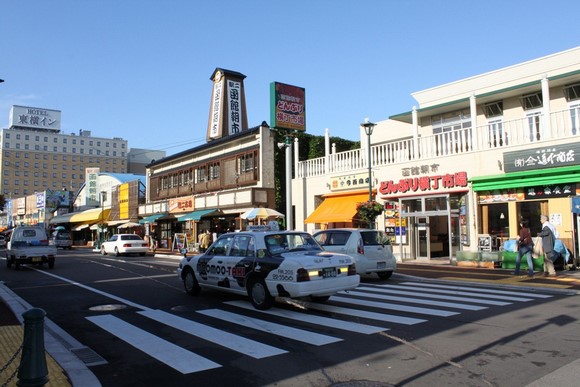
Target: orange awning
pixel 336 209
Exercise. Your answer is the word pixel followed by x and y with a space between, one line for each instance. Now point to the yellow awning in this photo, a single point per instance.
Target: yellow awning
pixel 335 209
pixel 92 215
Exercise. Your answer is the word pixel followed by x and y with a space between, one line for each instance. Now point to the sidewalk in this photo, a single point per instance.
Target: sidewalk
pixel 65 369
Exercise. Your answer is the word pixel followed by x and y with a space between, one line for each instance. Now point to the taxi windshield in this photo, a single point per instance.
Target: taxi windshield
pixel 282 243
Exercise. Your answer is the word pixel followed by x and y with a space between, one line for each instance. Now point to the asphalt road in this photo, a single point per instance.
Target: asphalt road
pixel 140 328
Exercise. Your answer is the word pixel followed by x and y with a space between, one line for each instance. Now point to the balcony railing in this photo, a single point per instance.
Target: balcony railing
pixel 505 134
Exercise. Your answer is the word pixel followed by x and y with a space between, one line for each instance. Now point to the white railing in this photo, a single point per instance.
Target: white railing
pixel 527 130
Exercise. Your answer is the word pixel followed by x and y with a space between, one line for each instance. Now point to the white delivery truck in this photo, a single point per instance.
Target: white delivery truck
pixel 29 244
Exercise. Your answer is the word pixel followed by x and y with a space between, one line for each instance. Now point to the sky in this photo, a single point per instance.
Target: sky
pixel 140 69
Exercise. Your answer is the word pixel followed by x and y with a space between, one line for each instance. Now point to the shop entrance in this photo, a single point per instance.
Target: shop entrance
pixel 433 227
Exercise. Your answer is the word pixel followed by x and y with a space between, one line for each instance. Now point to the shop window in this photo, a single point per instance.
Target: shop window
pixel 495 219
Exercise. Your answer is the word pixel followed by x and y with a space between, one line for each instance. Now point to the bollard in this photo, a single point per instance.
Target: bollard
pixel 33 370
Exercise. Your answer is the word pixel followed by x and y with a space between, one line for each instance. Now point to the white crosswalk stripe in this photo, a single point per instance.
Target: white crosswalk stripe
pixel 479 290
pixel 398 307
pixel 472 293
pixel 237 343
pixel 455 305
pixel 174 356
pixel 317 320
pixel 392 289
pixel 277 329
pixel 345 312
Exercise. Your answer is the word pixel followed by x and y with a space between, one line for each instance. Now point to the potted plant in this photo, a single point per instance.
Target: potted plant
pixel 369 210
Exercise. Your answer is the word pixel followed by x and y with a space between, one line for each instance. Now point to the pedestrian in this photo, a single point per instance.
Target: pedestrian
pixel 548 241
pixel 204 241
pixel 525 246
pixel 153 241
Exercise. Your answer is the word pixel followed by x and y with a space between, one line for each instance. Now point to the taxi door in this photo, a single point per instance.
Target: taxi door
pixel 240 260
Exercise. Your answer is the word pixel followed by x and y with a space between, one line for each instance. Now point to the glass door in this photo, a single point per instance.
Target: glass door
pixel 423 238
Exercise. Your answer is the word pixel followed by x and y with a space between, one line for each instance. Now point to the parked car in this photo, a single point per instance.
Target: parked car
pixel 268 264
pixel 124 244
pixel 62 239
pixel 29 244
pixel 370 249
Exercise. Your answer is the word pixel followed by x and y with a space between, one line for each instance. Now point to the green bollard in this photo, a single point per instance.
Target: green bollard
pixel 33 370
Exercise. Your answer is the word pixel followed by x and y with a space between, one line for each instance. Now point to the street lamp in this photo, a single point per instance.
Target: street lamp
pixel 369 126
pixel 103 193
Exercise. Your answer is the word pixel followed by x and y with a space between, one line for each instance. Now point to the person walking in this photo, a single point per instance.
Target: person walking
pixel 204 241
pixel 525 246
pixel 548 241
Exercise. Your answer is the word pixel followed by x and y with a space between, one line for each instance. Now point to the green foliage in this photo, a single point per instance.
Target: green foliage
pixel 309 147
pixel 369 210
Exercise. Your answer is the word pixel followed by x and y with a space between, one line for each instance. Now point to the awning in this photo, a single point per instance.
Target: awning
pixel 541 177
pixel 61 218
pixel 334 209
pixel 92 215
pixel 117 222
pixel 152 218
pixel 198 214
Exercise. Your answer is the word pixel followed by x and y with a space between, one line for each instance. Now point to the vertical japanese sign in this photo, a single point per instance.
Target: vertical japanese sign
pixel 91 177
pixel 216 107
pixel 124 201
pixel 235 104
pixel 287 106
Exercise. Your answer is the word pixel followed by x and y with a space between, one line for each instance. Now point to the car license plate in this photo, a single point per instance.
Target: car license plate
pixel 381 265
pixel 329 272
pixel 36 259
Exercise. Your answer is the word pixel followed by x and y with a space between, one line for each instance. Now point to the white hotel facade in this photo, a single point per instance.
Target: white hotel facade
pixel 470 160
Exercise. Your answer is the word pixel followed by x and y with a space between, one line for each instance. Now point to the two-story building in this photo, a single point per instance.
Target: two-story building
pixel 473 158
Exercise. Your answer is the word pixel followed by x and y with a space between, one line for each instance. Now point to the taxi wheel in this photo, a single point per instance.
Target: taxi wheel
pixel 51 264
pixel 117 252
pixel 103 252
pixel 259 294
pixel 190 283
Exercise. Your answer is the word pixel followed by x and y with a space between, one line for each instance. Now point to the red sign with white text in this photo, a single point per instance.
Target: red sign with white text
pixel 423 184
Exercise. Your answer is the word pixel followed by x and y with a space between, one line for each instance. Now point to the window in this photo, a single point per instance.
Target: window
pixel 534 125
pixel 36 147
pixel 201 174
pixel 575 118
pixel 246 163
pixel 493 109
pixel 532 101
pixel 214 171
pixel 64 140
pixel 572 92
pixel 7 145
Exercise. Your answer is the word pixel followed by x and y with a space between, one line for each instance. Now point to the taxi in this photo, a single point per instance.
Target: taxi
pixel 269 264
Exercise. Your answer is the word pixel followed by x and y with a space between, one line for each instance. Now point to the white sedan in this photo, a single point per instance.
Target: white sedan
pixel 124 244
pixel 265 265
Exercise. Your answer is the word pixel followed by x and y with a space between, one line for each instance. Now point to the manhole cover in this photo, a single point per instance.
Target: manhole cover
pixel 108 307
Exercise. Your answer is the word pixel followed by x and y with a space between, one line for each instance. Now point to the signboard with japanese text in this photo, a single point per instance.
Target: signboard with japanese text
pixel 540 158
pixel 349 181
pixel 216 108
pixel 34 118
pixel 178 205
pixel 92 191
pixel 424 184
pixel 235 107
pixel 227 112
pixel 287 107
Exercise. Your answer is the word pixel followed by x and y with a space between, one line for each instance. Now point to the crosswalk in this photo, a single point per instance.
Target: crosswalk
pixel 367 310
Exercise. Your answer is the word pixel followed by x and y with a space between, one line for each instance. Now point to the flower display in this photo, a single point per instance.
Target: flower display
pixel 369 210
